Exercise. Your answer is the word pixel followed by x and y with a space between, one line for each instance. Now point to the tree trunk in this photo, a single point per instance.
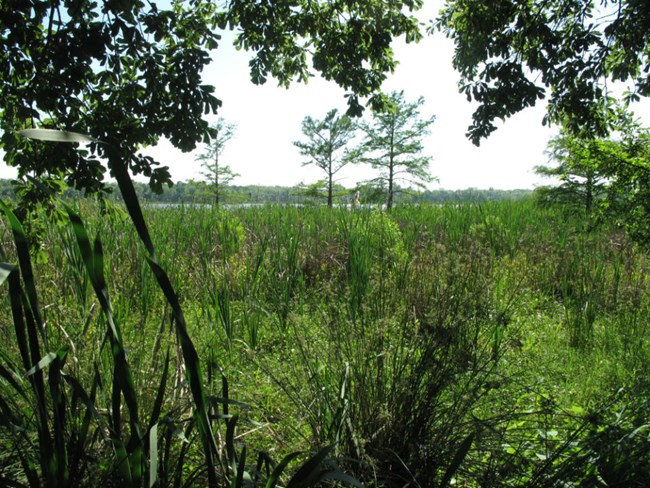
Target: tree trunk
pixel 216 179
pixel 389 202
pixel 589 193
pixel 329 191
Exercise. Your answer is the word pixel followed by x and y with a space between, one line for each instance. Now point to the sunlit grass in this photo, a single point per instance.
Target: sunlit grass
pixel 418 343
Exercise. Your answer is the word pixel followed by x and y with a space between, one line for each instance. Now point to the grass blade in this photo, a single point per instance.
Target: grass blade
pixel 459 457
pixel 310 472
pixel 123 383
pixel 153 455
pixel 5 270
pixel 26 269
pixel 272 481
pixel 190 356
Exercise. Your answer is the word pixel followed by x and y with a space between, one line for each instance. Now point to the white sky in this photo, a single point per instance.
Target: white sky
pixel 268 119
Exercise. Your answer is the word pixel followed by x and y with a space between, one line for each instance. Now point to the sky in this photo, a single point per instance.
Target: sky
pixel 268 120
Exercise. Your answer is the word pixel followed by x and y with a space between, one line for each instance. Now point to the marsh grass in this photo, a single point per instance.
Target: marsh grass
pixel 466 343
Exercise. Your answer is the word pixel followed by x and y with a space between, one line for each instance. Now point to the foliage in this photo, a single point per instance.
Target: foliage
pixel 610 175
pixel 469 343
pixel 129 73
pixel 125 73
pixel 319 191
pixel 194 192
pixel 580 183
pixel 347 42
pixel 393 144
pixel 627 166
pixel 510 53
pixel 325 139
pixel 63 452
pixel 219 175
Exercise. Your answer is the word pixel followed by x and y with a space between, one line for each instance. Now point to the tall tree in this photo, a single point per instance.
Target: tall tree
pixel 219 175
pixel 393 144
pixel 580 182
pixel 326 145
pixel 511 54
pixel 615 174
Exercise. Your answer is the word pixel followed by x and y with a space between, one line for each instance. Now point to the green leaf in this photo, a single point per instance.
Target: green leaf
pixel 153 455
pixel 459 457
pixel 10 378
pixel 5 270
pixel 54 135
pixel 43 363
pixel 310 472
pixel 272 480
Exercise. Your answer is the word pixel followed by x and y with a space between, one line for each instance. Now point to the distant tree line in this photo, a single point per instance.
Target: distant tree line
pixel 200 192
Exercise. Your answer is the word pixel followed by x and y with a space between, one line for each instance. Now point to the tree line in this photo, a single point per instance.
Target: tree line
pixel 200 192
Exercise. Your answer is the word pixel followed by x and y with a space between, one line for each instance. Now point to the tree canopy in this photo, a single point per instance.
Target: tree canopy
pixel 125 73
pixel 580 183
pixel 511 54
pixel 393 145
pixel 215 172
pixel 325 140
pixel 128 73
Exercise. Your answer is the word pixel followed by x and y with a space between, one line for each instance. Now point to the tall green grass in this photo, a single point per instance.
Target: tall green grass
pixel 464 343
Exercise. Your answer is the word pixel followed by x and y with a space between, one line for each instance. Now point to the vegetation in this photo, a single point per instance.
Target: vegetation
pixel 128 73
pixel 325 140
pixel 218 175
pixel 508 56
pixel 606 177
pixel 476 343
pixel 580 183
pixel 393 145
pixel 488 344
pixel 197 192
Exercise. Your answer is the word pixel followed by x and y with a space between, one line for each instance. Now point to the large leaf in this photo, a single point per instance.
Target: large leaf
pixel 43 363
pixel 54 135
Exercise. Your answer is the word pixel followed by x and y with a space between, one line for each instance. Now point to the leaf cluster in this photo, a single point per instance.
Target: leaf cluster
pixel 347 41
pixel 512 54
pixel 126 73
pixel 610 174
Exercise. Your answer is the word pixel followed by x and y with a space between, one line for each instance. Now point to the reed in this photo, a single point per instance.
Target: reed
pixel 417 344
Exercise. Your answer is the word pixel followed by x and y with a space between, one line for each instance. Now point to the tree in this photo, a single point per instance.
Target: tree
pixel 348 42
pixel 581 183
pixel 219 175
pixel 511 54
pixel 326 139
pixel 612 172
pixel 393 144
pixel 627 167
pixel 128 73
